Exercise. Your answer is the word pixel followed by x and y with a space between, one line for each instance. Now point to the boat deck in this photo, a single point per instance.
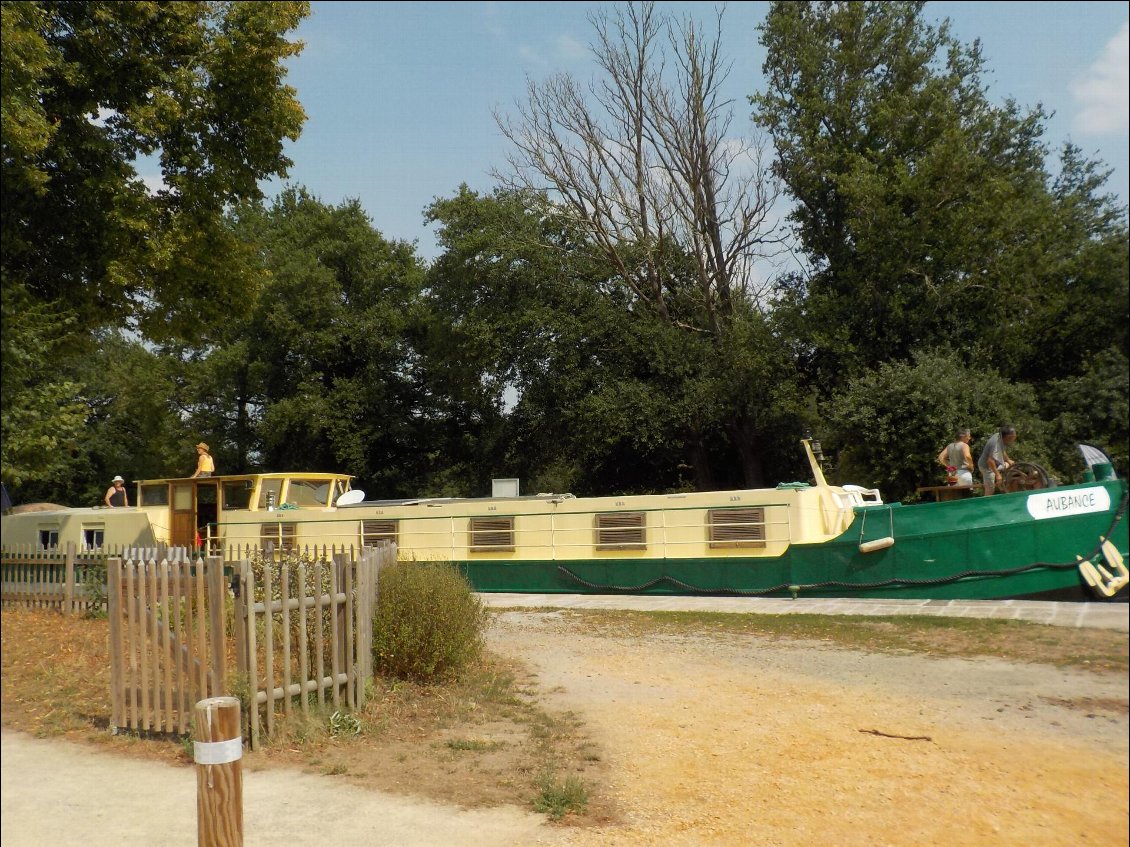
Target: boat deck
pixel 1114 616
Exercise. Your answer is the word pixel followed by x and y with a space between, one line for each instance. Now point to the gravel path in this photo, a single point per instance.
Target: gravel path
pixel 1114 616
pixel 59 793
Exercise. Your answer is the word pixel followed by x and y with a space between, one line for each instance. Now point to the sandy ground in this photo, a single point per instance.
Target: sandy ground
pixel 719 740
pixel 745 741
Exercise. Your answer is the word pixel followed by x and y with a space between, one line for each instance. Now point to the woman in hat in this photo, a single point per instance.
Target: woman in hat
pixel 204 464
pixel 116 495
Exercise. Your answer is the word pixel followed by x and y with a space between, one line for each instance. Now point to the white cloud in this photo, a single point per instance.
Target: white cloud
pixel 489 18
pixel 532 56
pixel 1104 94
pixel 565 48
pixel 570 48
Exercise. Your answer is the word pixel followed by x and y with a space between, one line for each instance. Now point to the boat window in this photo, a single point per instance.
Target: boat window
pixel 373 532
pixel 154 495
pixel 737 527
pixel 237 495
pixel 621 531
pixel 269 493
pixel 490 535
pixel 93 536
pixel 49 538
pixel 281 535
pixel 308 492
pixel 182 498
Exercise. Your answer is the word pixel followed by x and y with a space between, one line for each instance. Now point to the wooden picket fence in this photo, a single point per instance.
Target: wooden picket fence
pixel 300 633
pixel 304 631
pixel 167 640
pixel 67 579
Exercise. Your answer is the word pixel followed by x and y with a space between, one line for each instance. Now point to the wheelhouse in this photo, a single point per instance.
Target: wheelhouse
pixel 192 512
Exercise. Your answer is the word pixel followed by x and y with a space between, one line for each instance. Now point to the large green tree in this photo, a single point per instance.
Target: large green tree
pixel 588 391
pixel 197 87
pixel 126 421
pixel 925 210
pixel 44 409
pixel 322 374
pixel 525 341
pixel 90 90
pixel 676 206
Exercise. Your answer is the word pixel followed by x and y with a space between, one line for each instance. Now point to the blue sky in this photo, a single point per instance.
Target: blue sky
pixel 399 96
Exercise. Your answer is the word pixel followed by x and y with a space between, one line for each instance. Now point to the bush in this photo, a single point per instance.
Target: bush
pixel 887 426
pixel 1092 408
pixel 92 584
pixel 428 623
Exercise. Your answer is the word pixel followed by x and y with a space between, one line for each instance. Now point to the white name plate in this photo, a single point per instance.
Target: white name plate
pixel 1060 504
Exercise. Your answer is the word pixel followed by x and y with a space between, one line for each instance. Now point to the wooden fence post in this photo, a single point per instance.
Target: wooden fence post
pixel 115 612
pixel 341 626
pixel 69 580
pixel 217 593
pixel 218 752
pixel 239 617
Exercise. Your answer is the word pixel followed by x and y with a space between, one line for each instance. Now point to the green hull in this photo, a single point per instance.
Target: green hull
pixel 979 548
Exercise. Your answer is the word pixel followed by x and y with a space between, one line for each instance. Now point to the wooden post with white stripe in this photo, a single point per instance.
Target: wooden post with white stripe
pixel 218 752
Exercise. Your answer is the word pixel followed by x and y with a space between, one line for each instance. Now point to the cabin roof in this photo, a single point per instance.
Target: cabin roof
pixel 80 511
pixel 452 501
pixel 246 476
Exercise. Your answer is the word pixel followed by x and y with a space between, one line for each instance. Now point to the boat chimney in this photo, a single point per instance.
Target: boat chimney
pixel 815 457
pixel 504 488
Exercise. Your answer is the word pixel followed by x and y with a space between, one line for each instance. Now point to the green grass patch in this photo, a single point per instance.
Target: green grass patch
pixel 559 796
pixel 474 744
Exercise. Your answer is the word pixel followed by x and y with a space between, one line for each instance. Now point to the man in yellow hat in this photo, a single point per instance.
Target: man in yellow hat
pixel 204 463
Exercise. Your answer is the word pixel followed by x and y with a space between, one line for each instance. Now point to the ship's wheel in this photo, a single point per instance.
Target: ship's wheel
pixel 1024 476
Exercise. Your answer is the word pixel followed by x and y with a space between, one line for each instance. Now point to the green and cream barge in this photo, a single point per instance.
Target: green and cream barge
pixel 795 540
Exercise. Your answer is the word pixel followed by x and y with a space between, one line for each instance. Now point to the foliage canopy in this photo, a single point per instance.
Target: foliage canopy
pixel 89 90
pixel 925 210
pixel 600 322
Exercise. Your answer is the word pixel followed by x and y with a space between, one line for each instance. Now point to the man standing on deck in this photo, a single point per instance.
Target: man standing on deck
pixel 116 495
pixel 994 460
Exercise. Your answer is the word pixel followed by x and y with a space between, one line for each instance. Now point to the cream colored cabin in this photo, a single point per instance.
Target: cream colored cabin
pixel 88 529
pixel 220 510
pixel 181 512
pixel 295 510
pixel 761 522
pixel 722 524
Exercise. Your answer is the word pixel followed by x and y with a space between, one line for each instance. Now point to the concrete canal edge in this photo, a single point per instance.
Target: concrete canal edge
pixel 1095 615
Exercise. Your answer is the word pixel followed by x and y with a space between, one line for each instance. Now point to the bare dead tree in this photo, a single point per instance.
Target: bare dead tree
pixel 642 161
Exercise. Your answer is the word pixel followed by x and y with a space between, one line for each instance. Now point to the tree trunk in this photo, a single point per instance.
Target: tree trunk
pixel 242 424
pixel 746 440
pixel 700 464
